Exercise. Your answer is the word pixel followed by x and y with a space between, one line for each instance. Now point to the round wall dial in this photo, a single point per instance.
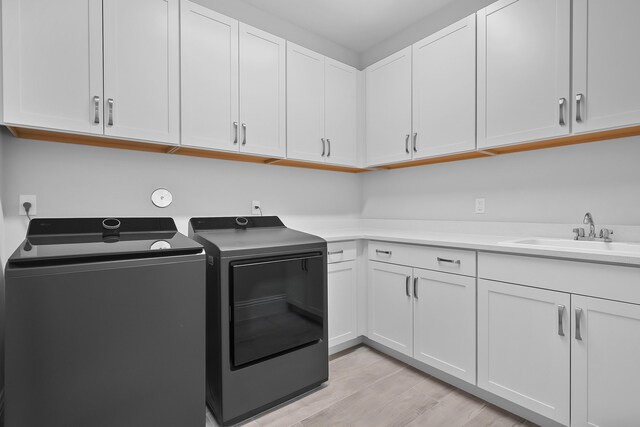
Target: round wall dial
pixel 161 197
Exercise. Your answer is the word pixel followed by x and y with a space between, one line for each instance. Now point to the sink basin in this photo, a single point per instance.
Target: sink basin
pixel 578 245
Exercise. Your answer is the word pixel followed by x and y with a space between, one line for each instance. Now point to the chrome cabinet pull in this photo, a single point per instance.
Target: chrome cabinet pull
pixel 381 252
pixel 415 287
pixel 110 104
pixel 560 320
pixel 96 109
pixel 406 143
pixel 415 143
pixel 324 150
pixel 235 139
pixel 244 134
pixel 578 331
pixel 340 252
pixel 328 147
pixel 579 99
pixel 408 292
pixel 561 104
pixel 449 261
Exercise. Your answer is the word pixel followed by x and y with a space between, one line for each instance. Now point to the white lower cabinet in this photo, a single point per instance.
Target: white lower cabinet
pixel 342 290
pixel 391 306
pixel 524 347
pixel 605 349
pixel 444 331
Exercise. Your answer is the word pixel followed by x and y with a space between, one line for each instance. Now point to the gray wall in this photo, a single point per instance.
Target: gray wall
pixel 548 186
pixel 257 18
pixel 423 28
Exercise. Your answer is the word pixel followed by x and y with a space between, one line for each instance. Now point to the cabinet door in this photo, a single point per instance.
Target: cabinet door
pixel 523 71
pixel 262 92
pixel 141 69
pixel 52 53
pixel 342 302
pixel 604 362
pixel 340 112
pixel 390 306
pixel 389 109
pixel 209 78
pixel 305 104
pixel 444 91
pixel 445 299
pixel 606 65
pixel 523 347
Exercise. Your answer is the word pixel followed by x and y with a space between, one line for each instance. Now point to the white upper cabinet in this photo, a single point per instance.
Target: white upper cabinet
pixel 523 71
pixel 141 69
pixel 52 53
pixel 606 64
pixel 524 348
pixel 605 344
pixel 209 78
pixel 444 91
pixel 340 112
pixel 445 299
pixel 262 93
pixel 305 104
pixel 388 111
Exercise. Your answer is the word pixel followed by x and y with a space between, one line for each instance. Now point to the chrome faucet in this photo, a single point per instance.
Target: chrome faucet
pixel 588 219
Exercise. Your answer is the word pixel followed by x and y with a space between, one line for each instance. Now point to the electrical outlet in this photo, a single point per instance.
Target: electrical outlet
pixel 27 198
pixel 255 208
pixel 480 204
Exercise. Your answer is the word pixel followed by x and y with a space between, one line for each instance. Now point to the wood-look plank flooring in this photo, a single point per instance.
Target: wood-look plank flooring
pixel 369 389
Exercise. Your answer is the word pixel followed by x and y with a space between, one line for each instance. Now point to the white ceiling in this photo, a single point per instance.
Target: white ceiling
pixel 358 25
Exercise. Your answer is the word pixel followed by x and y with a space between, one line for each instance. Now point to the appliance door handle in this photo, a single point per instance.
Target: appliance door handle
pixel 235 127
pixel 578 330
pixel 579 99
pixel 406 143
pixel 448 261
pixel 324 149
pixel 407 282
pixel 415 142
pixel 328 147
pixel 110 105
pixel 340 252
pixel 96 109
pixel 561 106
pixel 381 252
pixel 415 287
pixel 244 134
pixel 561 320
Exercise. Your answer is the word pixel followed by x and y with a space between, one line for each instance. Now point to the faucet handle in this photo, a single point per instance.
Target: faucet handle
pixel 579 232
pixel 605 234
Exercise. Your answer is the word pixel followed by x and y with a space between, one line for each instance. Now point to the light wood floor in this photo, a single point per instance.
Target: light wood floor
pixel 369 389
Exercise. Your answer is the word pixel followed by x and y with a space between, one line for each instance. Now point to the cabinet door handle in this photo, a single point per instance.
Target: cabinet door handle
pixel 110 104
pixel 560 320
pixel 381 252
pixel 244 134
pixel 561 104
pixel 415 142
pixel 324 150
pixel 235 127
pixel 579 99
pixel 415 287
pixel 340 252
pixel 449 261
pixel 578 331
pixel 96 109
pixel 408 292
pixel 328 147
pixel 406 143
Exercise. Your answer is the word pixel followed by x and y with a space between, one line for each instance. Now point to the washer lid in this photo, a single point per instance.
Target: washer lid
pixel 80 240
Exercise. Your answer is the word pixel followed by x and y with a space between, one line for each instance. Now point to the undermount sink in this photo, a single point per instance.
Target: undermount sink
pixel 577 245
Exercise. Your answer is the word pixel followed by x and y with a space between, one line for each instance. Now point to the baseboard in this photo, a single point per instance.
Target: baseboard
pixel 345 345
pixel 498 401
